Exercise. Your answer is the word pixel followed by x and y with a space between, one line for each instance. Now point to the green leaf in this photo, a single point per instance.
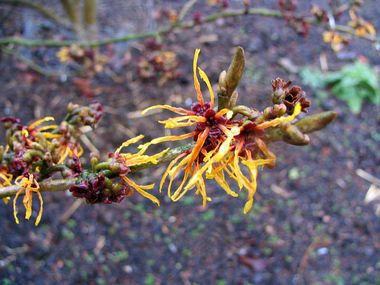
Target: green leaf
pixel 354 84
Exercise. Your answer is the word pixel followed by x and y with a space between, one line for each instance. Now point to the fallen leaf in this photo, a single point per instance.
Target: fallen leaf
pixel 256 264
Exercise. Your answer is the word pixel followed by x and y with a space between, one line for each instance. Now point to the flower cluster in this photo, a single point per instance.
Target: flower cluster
pixel 362 27
pixel 36 151
pixel 97 188
pixel 228 144
pixel 336 39
pixel 224 145
pixel 158 63
pixel 108 182
pixel 288 97
pixel 88 58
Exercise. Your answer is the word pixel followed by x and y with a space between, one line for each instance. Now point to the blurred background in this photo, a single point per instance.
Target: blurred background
pixel 316 215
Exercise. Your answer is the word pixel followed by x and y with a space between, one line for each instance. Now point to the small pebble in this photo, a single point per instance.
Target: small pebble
pixel 322 251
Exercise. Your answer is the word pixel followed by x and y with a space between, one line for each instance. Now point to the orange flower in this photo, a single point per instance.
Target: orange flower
pixel 221 146
pixel 5 180
pixel 128 159
pixel 335 39
pixel 362 27
pixel 46 131
pixel 213 132
pixel 28 185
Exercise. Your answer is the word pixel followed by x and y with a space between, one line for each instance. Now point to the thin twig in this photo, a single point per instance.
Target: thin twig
pixel 31 64
pixel 366 176
pixel 177 25
pixel 160 32
pixel 308 124
pixel 39 8
pixel 71 210
pixel 186 9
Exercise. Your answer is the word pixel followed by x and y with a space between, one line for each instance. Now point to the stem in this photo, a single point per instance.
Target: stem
pixel 64 184
pixel 45 186
pixel 184 25
pixel 227 95
pixel 170 155
pixel 89 18
pixel 308 124
pixel 72 12
pixel 31 64
pixel 39 8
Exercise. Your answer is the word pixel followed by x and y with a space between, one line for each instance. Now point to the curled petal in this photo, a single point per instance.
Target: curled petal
pixel 51 136
pixel 63 154
pixel 178 194
pixel 177 122
pixel 280 120
pixel 179 111
pixel 219 178
pixel 198 147
pixel 39 122
pixel 129 142
pixel 223 112
pixel 15 209
pixel 173 174
pixel 142 159
pixel 171 164
pixel 27 188
pixel 197 86
pixel 173 138
pixel 39 216
pixel 201 189
pixel 28 202
pixel 204 76
pixel 45 128
pixel 141 190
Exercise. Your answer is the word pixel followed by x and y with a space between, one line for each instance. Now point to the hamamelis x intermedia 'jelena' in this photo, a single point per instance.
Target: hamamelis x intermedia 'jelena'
pixel 227 143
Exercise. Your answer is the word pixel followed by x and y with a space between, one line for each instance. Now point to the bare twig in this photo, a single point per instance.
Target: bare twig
pixel 314 123
pixel 178 25
pixel 39 8
pixel 323 242
pixel 366 176
pixel 71 210
pixel 72 12
pixel 31 64
pixel 89 19
pixel 186 9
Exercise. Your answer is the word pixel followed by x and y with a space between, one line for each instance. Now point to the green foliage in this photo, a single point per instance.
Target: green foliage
pixel 354 84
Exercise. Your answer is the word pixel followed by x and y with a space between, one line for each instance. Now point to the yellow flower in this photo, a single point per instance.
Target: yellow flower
pixel 5 180
pixel 69 150
pixel 362 27
pixel 63 54
pixel 222 146
pixel 128 160
pixel 336 40
pixel 46 131
pixel 212 129
pixel 28 186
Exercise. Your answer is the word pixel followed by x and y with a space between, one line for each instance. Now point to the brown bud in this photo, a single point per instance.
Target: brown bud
pixel 293 135
pixel 280 88
pixel 279 110
pixel 235 71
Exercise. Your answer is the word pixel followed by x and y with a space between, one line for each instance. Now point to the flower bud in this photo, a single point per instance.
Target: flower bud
pixel 279 110
pixel 222 81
